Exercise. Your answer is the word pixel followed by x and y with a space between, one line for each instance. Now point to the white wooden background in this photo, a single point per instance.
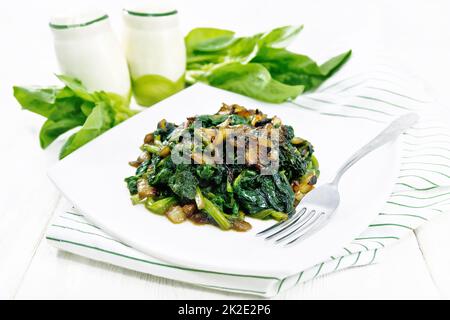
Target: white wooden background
pixel 418 32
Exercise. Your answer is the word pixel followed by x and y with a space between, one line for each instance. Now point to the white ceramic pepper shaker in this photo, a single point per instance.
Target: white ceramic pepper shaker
pixel 87 49
pixel 155 50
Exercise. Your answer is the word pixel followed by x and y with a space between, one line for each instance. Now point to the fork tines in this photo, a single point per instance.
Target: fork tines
pixel 297 227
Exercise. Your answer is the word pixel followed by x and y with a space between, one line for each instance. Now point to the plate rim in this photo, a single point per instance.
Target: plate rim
pixel 210 268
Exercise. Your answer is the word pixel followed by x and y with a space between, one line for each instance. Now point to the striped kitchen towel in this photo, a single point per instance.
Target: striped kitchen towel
pixel 377 93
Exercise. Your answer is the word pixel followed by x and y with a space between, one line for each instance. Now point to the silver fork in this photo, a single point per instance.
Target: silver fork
pixel 319 205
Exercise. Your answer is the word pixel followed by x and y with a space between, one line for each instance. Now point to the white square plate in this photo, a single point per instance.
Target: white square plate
pixel 92 178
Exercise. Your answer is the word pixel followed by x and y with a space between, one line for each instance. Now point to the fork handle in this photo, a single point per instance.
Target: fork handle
pixel 394 129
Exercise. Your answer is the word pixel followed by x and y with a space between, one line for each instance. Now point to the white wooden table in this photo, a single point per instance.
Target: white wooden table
pixel 418 32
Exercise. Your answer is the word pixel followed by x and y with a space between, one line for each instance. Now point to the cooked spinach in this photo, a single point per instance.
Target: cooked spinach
pixel 132 184
pixel 223 193
pixel 160 171
pixel 256 192
pixel 208 120
pixel 164 129
pixel 143 167
pixel 184 182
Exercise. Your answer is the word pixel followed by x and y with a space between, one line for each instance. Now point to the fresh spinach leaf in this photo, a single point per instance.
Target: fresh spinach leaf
pixel 62 109
pixel 99 121
pixel 243 49
pixel 280 37
pixel 70 107
pixel 77 87
pixel 257 66
pixel 208 39
pixel 296 69
pixel 51 130
pixel 87 107
pixel 252 80
pixel 37 99
pixel 329 67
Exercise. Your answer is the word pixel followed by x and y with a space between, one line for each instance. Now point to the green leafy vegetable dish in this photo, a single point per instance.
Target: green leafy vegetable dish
pixel 211 169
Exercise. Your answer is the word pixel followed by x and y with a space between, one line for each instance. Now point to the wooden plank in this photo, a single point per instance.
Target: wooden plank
pixel 27 199
pixel 434 239
pixel 402 274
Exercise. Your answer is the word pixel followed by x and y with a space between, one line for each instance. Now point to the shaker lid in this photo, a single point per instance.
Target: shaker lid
pixel 76 19
pixel 151 8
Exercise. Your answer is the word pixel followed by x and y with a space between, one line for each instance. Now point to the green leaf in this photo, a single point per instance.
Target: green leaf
pixel 282 74
pixel 214 212
pixel 77 87
pixel 183 183
pixel 252 80
pixel 197 61
pixel 87 107
pixel 243 50
pixel 280 37
pixel 99 121
pixel 260 192
pixel 67 108
pixel 296 69
pixel 215 44
pixel 218 47
pixel 161 206
pixel 132 184
pixel 331 66
pixel 67 114
pixel 37 99
pixel 118 104
pixel 152 88
pixel 52 130
pixel 65 92
pixel 209 120
pixel 208 39
pixel 70 107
